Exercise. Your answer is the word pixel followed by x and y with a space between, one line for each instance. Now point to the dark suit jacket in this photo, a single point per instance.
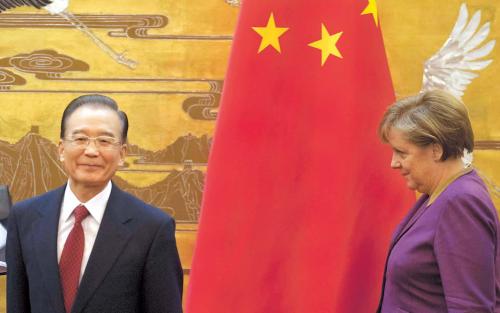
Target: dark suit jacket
pixel 133 267
pixel 445 257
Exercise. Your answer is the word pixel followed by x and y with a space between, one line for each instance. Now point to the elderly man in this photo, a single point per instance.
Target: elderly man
pixel 89 247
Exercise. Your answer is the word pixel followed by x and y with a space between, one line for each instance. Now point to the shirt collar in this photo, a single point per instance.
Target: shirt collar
pixel 95 206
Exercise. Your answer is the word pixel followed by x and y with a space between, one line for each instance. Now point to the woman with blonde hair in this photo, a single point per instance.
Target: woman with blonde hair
pixel 444 255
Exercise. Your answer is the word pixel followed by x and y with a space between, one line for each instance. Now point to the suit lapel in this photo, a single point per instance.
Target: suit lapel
pixel 45 246
pixel 418 209
pixel 403 227
pixel 111 239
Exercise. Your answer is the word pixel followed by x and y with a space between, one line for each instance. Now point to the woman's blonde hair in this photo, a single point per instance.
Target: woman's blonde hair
pixel 431 117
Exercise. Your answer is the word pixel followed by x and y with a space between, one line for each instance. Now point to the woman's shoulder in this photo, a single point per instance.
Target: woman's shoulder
pixel 467 195
pixel 467 186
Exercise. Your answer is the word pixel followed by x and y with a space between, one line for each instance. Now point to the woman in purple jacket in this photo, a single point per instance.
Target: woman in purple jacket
pixel 444 256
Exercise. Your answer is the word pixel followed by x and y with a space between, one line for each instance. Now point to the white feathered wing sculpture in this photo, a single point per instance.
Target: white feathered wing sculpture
pixel 455 65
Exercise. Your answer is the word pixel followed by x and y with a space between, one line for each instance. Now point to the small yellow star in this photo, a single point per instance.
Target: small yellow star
pixel 327 44
pixel 371 8
pixel 270 34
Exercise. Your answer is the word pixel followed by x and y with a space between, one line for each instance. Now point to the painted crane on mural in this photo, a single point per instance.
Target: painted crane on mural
pixel 58 7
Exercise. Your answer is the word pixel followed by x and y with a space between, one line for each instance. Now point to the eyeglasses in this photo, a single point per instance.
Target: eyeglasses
pixel 101 142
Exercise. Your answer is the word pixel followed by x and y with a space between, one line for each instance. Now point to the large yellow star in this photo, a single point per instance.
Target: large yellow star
pixel 371 8
pixel 270 34
pixel 327 44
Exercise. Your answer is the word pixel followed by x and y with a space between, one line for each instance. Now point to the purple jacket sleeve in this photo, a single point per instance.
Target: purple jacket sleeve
pixel 465 247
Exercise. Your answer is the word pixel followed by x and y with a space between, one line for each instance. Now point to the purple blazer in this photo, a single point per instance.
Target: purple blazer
pixel 444 257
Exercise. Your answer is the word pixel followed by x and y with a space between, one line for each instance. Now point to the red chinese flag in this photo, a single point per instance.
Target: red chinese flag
pixel 300 201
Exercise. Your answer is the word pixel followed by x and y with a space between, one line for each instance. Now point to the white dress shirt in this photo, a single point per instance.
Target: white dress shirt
pixel 90 224
pixel 3 240
pixel 3 236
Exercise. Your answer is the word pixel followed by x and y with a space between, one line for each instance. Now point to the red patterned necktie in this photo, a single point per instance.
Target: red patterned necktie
pixel 71 258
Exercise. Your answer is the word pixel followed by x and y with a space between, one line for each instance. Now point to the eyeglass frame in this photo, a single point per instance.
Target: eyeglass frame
pixel 88 139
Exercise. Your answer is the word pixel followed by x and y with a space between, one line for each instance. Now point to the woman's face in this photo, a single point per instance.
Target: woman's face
pixel 418 165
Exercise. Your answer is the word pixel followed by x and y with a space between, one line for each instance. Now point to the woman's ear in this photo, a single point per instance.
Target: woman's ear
pixel 437 152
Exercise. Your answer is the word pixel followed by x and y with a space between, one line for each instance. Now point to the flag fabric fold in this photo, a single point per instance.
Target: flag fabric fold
pixel 300 200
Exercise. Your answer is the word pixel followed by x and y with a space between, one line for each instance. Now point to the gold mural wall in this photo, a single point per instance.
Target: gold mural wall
pixel 181 49
pixel 171 96
pixel 414 31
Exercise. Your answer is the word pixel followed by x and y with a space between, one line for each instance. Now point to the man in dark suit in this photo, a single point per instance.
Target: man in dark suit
pixel 88 247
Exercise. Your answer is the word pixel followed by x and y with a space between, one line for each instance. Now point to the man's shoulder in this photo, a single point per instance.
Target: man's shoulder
pixel 39 200
pixel 140 208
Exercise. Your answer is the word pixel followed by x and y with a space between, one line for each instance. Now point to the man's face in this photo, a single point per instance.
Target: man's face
pixel 91 166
